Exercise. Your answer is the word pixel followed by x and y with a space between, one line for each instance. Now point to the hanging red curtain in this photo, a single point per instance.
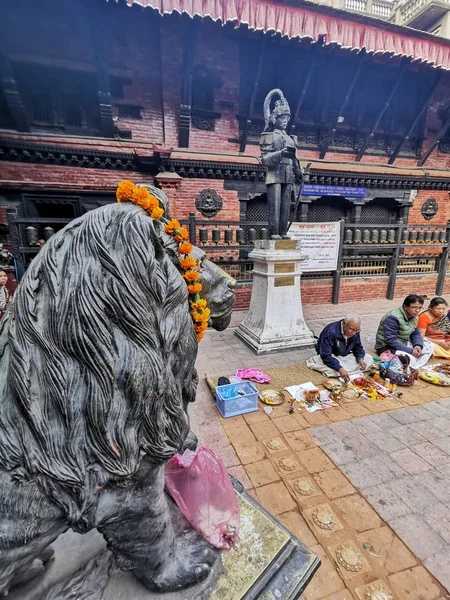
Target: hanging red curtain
pixel 299 22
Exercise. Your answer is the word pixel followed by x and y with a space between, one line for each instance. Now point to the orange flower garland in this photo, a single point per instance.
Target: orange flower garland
pixel 127 191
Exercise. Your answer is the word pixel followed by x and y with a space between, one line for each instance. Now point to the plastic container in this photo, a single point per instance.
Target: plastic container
pixel 236 398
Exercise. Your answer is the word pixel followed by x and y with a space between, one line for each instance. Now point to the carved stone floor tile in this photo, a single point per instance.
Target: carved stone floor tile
pixel 275 444
pixel 377 590
pixel 323 519
pixel 349 559
pixel 303 488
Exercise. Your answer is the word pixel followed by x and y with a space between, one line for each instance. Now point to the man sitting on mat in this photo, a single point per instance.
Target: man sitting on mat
pixel 340 351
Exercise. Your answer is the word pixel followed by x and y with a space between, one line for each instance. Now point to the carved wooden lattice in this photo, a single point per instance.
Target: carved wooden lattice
pixel 328 209
pixel 257 216
pixel 380 212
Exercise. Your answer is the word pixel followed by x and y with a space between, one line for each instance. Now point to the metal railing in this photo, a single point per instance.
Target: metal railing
pixel 418 265
pixel 386 250
pixel 366 250
pixel 357 267
pixel 406 12
pixel 240 269
pixel 386 234
pixel 355 5
pixel 382 9
pixel 378 8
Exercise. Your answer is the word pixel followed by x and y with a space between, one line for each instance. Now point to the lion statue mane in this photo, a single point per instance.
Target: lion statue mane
pixel 97 353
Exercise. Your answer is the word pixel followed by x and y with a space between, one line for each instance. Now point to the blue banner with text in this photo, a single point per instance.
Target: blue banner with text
pixel 332 190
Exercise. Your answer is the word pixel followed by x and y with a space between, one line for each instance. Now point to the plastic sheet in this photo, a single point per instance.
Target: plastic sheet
pixel 200 485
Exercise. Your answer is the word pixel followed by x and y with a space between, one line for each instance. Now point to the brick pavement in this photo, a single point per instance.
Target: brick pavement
pixel 405 475
pixel 376 456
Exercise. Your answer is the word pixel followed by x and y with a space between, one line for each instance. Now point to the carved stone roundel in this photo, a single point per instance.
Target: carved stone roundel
pixel 429 209
pixel 288 464
pixel 349 558
pixel 304 487
pixel 323 518
pixel 378 592
pixel 274 444
pixel 208 202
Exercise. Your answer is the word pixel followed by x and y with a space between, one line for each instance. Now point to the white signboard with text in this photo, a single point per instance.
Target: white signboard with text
pixel 320 242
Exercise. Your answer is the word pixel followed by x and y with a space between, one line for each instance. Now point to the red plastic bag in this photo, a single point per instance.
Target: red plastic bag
pixel 202 489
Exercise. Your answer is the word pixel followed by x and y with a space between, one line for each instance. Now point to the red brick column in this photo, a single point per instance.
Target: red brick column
pixel 169 183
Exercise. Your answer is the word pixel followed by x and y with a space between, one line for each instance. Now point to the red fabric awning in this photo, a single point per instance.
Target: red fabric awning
pixel 301 22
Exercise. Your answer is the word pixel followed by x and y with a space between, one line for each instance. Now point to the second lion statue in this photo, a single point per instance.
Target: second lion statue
pixel 97 353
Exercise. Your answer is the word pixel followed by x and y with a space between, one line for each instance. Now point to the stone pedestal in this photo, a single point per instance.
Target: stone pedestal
pixel 275 319
pixel 268 562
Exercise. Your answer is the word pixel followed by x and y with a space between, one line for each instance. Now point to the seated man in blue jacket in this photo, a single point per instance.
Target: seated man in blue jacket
pixel 340 351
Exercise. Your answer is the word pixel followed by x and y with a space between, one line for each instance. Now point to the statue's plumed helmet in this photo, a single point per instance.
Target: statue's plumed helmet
pixel 281 108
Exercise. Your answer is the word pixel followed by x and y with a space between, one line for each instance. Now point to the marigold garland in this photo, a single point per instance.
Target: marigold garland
pixel 157 213
pixel 188 263
pixel 182 235
pixel 127 191
pixel 191 276
pixel 185 248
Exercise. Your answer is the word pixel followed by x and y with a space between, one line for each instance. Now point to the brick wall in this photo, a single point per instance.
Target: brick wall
pixel 56 176
pixel 222 62
pixel 132 50
pixel 147 49
pixel 171 57
pixel 319 291
pixel 182 197
pixel 434 121
pixel 443 214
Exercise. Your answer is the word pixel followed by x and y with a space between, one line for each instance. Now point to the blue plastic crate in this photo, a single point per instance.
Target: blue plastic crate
pixel 236 398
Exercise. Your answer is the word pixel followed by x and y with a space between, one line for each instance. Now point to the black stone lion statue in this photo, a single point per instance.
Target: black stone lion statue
pixel 97 352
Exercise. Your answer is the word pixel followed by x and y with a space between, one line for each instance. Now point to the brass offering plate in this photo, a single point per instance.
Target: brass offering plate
pixel 271 397
pixel 348 395
pixel 333 386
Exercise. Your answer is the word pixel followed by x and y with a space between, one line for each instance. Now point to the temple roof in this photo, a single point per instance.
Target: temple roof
pixel 301 19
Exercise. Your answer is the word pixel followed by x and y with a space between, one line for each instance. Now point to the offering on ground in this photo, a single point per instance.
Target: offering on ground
pixel 437 374
pixel 271 397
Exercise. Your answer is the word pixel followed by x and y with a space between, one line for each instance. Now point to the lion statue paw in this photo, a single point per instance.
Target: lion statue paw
pixel 190 563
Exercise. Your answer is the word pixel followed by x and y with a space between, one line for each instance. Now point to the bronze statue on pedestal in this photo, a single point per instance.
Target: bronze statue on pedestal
pixel 278 154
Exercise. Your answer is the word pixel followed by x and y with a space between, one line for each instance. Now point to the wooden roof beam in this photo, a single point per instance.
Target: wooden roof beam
pixel 189 41
pixel 440 134
pixel 384 109
pixel 11 94
pixel 416 119
pixel 312 61
pixel 256 81
pixel 332 129
pixel 96 34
